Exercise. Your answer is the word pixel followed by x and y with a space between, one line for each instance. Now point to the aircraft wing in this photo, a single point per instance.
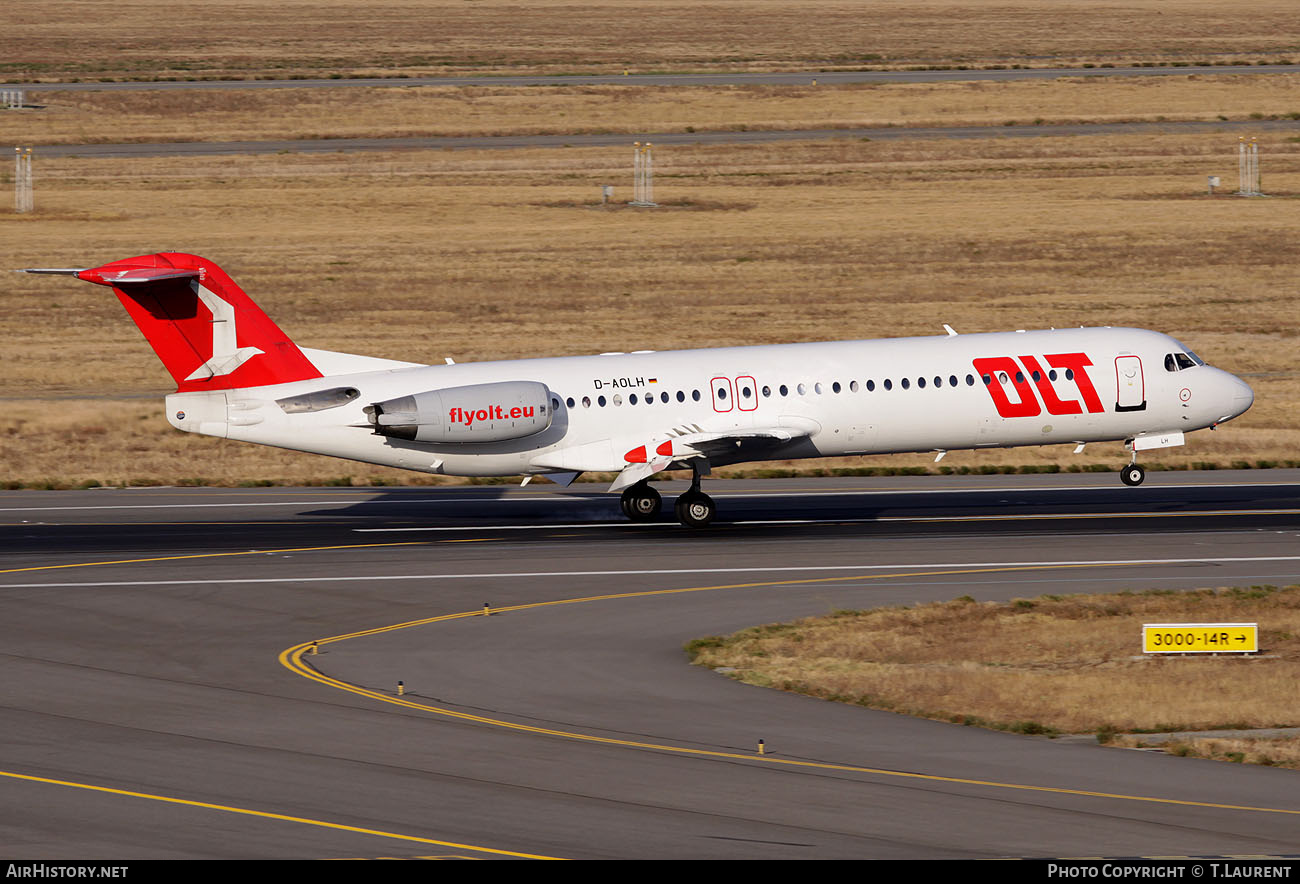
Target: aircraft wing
pixel 686 444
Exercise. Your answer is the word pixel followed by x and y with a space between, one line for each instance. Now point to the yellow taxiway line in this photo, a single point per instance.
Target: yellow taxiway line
pixel 291 658
pixel 250 552
pixel 272 816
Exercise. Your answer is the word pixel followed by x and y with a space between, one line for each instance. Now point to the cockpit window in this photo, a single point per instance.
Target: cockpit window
pixel 1185 361
pixel 1186 353
pixel 1179 361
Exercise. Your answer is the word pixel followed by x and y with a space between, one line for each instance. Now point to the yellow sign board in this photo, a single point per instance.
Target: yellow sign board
pixel 1200 638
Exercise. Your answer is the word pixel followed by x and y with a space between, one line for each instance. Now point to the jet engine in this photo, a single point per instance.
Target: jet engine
pixel 473 413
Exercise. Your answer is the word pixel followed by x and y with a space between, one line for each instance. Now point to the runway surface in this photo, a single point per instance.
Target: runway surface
pixel 758 78
pixel 159 699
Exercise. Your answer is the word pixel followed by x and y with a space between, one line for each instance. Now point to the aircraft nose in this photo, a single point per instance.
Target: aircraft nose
pixel 1242 395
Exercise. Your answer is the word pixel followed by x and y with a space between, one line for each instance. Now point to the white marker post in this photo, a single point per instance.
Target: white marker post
pixel 643 188
pixel 1248 168
pixel 23 201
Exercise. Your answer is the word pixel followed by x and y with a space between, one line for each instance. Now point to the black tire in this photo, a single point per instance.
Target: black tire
pixel 641 503
pixel 1132 475
pixel 695 509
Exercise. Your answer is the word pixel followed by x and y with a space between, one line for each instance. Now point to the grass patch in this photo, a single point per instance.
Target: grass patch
pixel 1050 665
pixel 836 236
pixel 390 111
pixel 343 39
pixel 1267 751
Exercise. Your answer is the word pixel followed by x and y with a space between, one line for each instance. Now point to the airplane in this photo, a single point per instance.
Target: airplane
pixel 636 414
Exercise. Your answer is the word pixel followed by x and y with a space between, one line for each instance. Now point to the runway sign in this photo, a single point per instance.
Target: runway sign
pixel 1200 638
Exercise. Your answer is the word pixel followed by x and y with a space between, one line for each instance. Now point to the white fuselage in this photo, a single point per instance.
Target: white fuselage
pixel 838 398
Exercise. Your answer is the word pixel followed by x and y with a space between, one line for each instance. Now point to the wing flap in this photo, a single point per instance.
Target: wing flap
pixel 646 460
pixel 703 444
pixel 638 472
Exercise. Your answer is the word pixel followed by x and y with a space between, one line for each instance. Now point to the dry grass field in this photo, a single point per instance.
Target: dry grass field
pixel 1054 664
pixel 1277 751
pixel 492 254
pixel 272 114
pixel 85 39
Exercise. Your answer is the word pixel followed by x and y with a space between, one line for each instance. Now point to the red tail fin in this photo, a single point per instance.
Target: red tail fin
pixel 208 333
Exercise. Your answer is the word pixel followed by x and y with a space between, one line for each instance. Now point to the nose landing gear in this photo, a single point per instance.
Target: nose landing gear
pixel 1132 475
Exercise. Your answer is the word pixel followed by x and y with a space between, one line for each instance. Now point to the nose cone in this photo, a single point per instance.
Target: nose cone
pixel 1241 397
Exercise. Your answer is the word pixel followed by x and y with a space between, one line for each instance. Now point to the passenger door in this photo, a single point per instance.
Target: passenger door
pixel 1130 387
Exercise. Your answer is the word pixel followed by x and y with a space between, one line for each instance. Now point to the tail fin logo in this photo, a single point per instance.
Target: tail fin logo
pixel 187 308
pixel 226 354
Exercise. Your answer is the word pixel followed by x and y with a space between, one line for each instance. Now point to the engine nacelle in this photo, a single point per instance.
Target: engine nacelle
pixel 473 413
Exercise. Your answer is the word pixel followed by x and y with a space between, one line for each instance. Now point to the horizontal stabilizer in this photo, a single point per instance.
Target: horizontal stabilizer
pixel 139 275
pixel 205 329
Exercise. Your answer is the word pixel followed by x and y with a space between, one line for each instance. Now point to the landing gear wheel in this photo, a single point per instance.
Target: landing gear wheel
pixel 1132 474
pixel 695 509
pixel 641 503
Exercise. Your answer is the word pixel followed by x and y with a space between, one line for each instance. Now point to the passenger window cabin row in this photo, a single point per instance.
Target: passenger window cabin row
pixel 820 388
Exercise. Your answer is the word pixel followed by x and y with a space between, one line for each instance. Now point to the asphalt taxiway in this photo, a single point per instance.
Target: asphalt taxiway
pixel 159 696
pixel 748 136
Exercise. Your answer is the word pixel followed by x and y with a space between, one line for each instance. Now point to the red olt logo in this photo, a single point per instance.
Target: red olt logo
pixel 1024 381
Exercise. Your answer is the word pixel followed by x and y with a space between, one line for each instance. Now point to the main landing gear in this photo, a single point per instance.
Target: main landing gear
pixel 693 508
pixel 641 503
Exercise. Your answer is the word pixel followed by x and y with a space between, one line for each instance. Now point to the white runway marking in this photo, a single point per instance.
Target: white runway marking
pixel 299 503
pixel 505 575
pixel 596 495
pixel 539 526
